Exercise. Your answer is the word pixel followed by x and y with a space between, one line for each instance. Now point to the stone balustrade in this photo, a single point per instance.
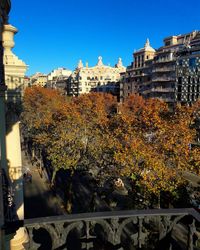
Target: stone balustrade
pixel 115 230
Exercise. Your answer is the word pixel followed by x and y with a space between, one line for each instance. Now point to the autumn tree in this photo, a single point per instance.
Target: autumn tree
pixel 145 141
pixel 153 143
pixel 72 132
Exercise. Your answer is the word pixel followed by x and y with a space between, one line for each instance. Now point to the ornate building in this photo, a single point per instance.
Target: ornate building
pixel 14 67
pixel 155 75
pixel 85 79
pixel 10 147
pixel 4 11
pixel 138 75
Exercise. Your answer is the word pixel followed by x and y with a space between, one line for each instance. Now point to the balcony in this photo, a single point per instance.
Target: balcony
pixel 166 99
pixel 136 229
pixel 163 79
pixel 164 61
pixel 163 69
pixel 164 90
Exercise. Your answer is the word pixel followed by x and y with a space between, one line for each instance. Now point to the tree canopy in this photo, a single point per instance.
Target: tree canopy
pixel 144 140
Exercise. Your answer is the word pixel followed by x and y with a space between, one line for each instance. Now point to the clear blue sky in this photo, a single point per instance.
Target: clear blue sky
pixel 58 33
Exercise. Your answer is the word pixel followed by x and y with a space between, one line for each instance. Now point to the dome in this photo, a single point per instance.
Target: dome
pixel 147 47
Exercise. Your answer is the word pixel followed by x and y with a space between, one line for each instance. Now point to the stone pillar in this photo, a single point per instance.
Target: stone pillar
pixel 14 67
pixel 3 161
pixel 10 153
pixel 2 105
pixel 3 16
pixel 14 162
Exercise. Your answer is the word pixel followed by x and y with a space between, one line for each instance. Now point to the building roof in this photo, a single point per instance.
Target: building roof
pixel 100 65
pixel 147 47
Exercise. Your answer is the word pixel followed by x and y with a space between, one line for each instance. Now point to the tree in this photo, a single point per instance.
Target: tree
pixel 73 128
pixel 145 141
pixel 153 143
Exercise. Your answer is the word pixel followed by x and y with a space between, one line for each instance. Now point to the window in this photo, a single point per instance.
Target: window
pixel 142 57
pixel 193 89
pixel 167 43
pixel 179 88
pixel 179 97
pixel 192 62
pixel 180 80
pixel 188 88
pixel 198 88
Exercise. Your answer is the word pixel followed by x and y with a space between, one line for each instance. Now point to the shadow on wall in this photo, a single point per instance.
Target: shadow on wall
pixel 13 181
pixel 13 105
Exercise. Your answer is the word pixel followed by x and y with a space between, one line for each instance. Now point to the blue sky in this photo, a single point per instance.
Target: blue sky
pixel 58 33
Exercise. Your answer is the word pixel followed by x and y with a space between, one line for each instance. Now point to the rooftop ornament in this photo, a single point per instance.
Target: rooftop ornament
pixel 80 64
pixel 100 62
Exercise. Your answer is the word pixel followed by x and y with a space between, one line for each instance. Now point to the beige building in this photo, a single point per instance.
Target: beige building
pixel 14 67
pixel 57 79
pixel 57 73
pixel 38 79
pixel 10 148
pixel 137 74
pixel 85 79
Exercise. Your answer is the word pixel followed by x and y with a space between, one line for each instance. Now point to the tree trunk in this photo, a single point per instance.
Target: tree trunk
pixel 69 198
pixel 33 152
pixel 159 200
pixel 53 177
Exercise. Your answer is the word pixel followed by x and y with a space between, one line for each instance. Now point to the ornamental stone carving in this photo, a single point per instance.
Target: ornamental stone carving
pixel 111 230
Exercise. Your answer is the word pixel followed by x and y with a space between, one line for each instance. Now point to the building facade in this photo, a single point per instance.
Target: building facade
pixel 56 73
pixel 14 67
pixel 4 11
pixel 187 87
pixel 86 79
pixel 57 79
pixel 155 75
pixel 38 79
pixel 10 148
pixel 138 75
pixel 164 72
